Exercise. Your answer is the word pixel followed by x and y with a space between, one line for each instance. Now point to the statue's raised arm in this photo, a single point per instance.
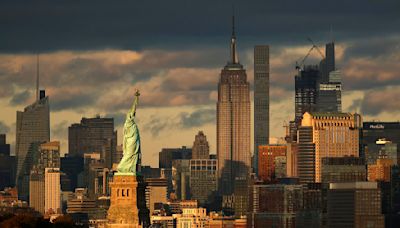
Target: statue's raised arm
pixel 130 162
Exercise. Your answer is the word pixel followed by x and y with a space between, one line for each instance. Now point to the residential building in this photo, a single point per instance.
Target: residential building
pixel 261 100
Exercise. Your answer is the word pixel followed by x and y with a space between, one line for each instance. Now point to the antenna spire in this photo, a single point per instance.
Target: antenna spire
pixel 37 77
pixel 234 58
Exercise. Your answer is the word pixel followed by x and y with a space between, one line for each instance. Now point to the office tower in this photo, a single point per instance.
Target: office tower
pixel 81 207
pixel 149 172
pixel 117 156
pixel 274 205
pixel 329 97
pixel 330 57
pixel 373 131
pixel 167 155
pixel 233 122
pixel 313 212
pixel 266 160
pixel 200 149
pixel 356 204
pixel 52 203
pixel 193 217
pixel 49 155
pixel 180 179
pixel 72 167
pixel 306 88
pixel 4 147
pixel 372 151
pixel 261 100
pixel 32 128
pixel 31 159
pixel 292 149
pixel 380 171
pixel 7 164
pixel 37 190
pixel 331 135
pixel 343 169
pixel 203 179
pixel 306 155
pixel 391 198
pixel 93 135
pixel 156 193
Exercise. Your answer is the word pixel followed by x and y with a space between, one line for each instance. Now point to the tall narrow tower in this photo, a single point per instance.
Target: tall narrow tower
pixel 261 99
pixel 233 121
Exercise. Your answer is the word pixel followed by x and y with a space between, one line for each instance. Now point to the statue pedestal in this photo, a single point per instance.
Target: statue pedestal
pixel 123 211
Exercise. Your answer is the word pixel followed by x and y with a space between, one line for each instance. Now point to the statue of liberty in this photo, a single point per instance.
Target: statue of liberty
pixel 131 161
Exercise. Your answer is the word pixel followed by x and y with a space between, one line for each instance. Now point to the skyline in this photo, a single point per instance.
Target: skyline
pixel 78 80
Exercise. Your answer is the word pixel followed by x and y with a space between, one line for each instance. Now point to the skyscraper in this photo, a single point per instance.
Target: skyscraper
pixel 326 135
pixel 306 82
pixel 200 149
pixel 52 203
pixel 93 135
pixel 33 126
pixel 261 99
pixel 233 122
pixel 7 164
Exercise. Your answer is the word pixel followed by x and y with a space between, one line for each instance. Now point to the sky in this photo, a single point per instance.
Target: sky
pixel 94 53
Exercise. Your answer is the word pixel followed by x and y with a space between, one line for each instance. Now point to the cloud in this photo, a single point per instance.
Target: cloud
pixel 379 101
pixel 157 124
pixel 4 129
pixel 197 118
pixel 20 98
pixel 60 130
pixel 64 25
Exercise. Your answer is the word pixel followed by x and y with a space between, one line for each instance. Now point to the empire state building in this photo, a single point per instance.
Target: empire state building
pixel 233 122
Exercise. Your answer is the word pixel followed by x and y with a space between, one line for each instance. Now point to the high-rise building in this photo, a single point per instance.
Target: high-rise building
pixel 203 179
pixel 343 169
pixel 7 164
pixel 4 147
pixel 292 149
pixel 331 135
pixel 356 204
pixel 181 178
pixel 72 167
pixel 329 97
pixel 233 122
pixel 372 151
pixel 306 89
pixel 52 203
pixel 380 171
pixel 167 155
pixel 49 157
pixel 93 135
pixel 373 131
pixel 266 160
pixel 33 126
pixel 200 149
pixel 37 194
pixel 192 217
pixel 261 100
pixel 274 205
pixel 156 193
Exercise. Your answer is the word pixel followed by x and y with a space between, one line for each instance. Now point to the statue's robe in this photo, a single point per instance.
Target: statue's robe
pixel 131 147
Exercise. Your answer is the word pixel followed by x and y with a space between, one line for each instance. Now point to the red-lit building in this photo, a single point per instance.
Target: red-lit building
pixel 266 160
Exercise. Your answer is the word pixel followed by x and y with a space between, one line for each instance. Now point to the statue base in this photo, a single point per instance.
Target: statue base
pixel 125 202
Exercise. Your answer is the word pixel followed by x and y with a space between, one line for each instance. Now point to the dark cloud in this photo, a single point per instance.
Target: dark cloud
pixel 197 118
pixel 4 128
pixel 375 47
pixel 46 25
pixel 183 120
pixel 119 118
pixel 60 131
pixel 64 101
pixel 355 105
pixel 20 98
pixel 383 100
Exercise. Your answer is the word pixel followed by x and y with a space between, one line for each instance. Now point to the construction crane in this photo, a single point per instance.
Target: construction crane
pixel 299 66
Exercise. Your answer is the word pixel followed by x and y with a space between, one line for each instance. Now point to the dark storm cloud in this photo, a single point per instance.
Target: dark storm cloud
pixel 383 100
pixel 46 25
pixel 4 128
pixel 197 118
pixel 65 101
pixel 183 120
pixel 20 98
